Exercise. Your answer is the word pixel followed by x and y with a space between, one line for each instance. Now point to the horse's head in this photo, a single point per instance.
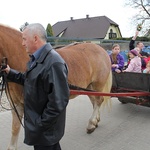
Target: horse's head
pixel 12 49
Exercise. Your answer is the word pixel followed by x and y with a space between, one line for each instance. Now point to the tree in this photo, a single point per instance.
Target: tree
pixel 143 13
pixel 50 33
pixel 49 30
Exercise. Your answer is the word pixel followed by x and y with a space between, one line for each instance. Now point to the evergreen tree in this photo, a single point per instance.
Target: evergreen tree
pixel 50 33
pixel 49 30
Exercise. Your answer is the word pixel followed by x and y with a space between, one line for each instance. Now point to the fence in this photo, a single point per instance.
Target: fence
pixel 65 41
pixel 106 44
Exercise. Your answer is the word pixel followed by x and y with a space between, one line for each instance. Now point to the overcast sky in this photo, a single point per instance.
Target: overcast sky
pixel 14 13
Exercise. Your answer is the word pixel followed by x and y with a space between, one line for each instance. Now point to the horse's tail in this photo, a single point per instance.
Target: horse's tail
pixel 107 89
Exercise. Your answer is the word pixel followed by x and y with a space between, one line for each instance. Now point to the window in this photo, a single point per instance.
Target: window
pixel 112 35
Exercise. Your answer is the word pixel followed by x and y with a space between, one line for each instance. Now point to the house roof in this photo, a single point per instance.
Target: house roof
pixel 89 27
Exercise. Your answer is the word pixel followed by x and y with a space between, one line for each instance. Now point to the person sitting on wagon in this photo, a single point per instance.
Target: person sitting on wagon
pixel 129 59
pixel 117 60
pixel 140 46
pixel 135 64
pixel 147 69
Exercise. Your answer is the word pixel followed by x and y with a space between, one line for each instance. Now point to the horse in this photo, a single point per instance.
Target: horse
pixel 89 67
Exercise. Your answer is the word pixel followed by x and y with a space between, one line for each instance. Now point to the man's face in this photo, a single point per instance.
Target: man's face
pixel 28 41
pixel 140 45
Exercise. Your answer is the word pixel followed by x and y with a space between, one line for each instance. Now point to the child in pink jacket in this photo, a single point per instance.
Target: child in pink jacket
pixel 135 62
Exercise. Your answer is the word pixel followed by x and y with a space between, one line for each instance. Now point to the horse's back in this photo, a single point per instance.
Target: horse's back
pixel 87 63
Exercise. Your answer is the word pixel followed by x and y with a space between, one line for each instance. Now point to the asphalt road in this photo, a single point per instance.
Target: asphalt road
pixel 123 127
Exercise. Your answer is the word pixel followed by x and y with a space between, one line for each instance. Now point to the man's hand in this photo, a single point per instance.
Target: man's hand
pixel 136 34
pixel 7 69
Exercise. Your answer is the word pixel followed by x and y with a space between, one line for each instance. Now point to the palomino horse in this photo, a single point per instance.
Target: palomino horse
pixel 89 67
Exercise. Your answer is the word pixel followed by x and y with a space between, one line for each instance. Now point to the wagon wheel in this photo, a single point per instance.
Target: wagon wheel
pixel 123 100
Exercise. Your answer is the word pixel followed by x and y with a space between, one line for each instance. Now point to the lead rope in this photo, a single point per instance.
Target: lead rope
pixel 2 89
pixel 7 90
pixel 10 98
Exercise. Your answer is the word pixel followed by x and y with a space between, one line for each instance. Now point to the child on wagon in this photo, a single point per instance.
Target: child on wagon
pixel 147 69
pixel 117 60
pixel 135 64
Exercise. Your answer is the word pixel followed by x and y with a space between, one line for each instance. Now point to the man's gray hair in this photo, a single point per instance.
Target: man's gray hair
pixel 37 28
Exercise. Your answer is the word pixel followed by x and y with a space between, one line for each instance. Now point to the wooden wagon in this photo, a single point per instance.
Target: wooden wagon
pixel 132 82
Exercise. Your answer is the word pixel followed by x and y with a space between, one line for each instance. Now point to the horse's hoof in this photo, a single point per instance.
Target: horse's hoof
pixel 89 131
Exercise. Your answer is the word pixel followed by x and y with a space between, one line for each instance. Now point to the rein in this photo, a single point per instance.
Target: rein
pixel 2 83
pixel 74 87
pixel 5 87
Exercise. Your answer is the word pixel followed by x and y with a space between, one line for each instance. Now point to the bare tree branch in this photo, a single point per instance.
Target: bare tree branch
pixel 143 15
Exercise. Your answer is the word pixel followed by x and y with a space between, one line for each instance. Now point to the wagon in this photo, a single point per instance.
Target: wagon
pixel 129 87
pixel 128 82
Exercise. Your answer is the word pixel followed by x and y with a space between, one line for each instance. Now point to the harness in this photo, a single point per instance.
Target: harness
pixel 5 86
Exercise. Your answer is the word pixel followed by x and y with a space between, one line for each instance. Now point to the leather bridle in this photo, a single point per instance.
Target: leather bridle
pixel 5 87
pixel 3 65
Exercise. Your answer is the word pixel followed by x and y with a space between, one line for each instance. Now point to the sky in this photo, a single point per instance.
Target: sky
pixel 15 13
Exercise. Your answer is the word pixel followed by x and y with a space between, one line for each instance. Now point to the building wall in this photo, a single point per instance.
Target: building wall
pixel 115 30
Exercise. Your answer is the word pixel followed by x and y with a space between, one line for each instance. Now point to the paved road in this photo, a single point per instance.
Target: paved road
pixel 123 127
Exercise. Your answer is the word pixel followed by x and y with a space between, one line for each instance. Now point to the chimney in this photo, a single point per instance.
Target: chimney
pixel 87 16
pixel 71 18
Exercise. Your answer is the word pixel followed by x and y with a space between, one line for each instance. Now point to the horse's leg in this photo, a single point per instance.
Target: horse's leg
pixel 15 127
pixel 95 117
pixel 97 101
